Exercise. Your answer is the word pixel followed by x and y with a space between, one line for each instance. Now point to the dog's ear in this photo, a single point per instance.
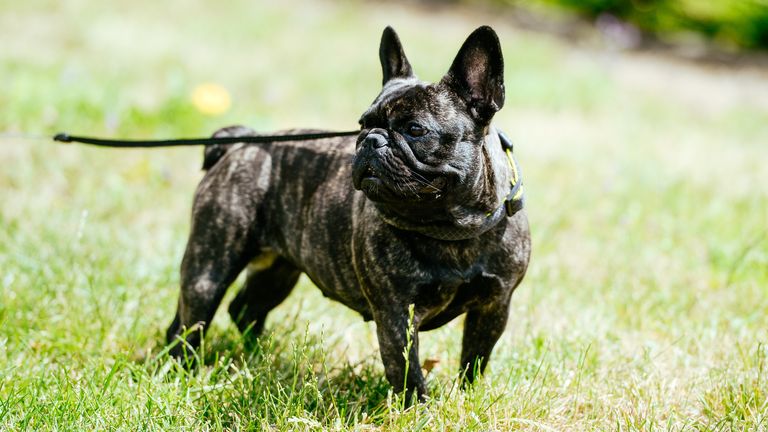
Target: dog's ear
pixel 394 64
pixel 477 74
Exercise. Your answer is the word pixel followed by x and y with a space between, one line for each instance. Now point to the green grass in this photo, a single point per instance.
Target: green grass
pixel 645 306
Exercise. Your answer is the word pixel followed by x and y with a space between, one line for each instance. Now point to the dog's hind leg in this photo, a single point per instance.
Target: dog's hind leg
pixel 220 245
pixel 209 266
pixel 270 279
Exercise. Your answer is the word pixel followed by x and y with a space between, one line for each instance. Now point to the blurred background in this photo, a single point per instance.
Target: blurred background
pixel 641 127
pixel 729 25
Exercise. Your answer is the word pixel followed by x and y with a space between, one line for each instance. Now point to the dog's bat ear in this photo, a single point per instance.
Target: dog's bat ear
pixel 477 74
pixel 394 64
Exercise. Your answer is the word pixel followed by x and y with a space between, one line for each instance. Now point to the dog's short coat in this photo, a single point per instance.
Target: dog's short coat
pixel 373 222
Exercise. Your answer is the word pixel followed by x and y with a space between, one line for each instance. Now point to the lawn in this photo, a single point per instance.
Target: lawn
pixel 645 306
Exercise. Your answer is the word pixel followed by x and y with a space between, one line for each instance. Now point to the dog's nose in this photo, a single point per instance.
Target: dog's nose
pixel 376 138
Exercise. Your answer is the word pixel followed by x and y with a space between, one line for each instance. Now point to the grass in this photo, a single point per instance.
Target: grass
pixel 645 306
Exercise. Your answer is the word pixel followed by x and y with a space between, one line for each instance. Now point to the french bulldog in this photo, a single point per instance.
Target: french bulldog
pixel 404 224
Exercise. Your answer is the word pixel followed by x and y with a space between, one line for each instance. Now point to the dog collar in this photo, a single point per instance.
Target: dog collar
pixel 512 204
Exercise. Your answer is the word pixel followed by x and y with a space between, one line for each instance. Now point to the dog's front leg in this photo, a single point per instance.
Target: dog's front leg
pixel 397 331
pixel 482 329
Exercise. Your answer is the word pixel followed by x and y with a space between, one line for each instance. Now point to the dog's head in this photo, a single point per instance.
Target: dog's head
pixel 420 144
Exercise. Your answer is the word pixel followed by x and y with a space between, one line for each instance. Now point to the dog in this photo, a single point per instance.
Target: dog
pixel 404 224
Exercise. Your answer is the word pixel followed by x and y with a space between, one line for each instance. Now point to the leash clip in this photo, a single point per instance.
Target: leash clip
pixel 506 143
pixel 515 199
pixel 62 137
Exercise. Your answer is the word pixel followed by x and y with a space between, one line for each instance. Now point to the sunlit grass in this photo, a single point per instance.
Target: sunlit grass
pixel 645 306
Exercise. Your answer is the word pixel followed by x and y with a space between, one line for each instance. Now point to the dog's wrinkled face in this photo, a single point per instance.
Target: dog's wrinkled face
pixel 419 141
pixel 409 138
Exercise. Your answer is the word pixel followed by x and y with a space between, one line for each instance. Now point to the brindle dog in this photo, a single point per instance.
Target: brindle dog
pixel 410 214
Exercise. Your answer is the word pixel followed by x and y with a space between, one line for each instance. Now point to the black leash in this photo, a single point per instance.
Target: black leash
pixel 512 204
pixel 66 138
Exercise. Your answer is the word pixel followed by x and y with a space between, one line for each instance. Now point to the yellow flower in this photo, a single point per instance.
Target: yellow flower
pixel 211 99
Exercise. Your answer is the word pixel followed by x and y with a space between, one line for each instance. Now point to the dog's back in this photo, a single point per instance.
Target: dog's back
pixel 214 152
pixel 293 200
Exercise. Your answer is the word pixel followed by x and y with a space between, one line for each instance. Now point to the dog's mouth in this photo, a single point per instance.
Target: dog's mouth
pixel 370 174
pixel 370 180
pixel 380 184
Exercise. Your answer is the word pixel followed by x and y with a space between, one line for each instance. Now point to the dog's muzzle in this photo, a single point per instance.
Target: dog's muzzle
pixel 366 173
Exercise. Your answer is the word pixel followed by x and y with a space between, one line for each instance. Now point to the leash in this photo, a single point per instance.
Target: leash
pixel 259 139
pixel 513 203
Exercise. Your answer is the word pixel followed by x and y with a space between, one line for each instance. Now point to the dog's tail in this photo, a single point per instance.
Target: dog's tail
pixel 214 152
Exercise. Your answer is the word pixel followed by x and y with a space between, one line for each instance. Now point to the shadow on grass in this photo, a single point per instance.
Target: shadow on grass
pixel 287 376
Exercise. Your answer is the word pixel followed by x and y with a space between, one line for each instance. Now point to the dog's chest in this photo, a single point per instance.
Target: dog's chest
pixel 453 279
pixel 451 293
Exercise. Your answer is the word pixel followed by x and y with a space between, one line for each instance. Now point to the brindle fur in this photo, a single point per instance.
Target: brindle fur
pixel 286 208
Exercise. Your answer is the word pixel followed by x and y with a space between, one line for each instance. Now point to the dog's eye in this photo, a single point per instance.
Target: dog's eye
pixel 415 130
